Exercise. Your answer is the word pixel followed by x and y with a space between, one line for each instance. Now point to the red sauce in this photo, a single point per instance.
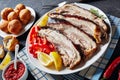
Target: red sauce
pixel 12 74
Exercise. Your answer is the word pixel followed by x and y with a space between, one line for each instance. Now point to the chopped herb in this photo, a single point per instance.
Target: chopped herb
pixel 96 12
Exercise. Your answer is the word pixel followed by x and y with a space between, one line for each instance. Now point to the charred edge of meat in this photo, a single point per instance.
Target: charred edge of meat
pixel 82 53
pixel 108 27
pixel 76 64
pixel 90 55
pixel 73 16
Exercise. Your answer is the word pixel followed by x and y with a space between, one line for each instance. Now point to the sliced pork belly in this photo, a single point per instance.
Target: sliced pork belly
pixel 78 37
pixel 75 10
pixel 84 25
pixel 70 56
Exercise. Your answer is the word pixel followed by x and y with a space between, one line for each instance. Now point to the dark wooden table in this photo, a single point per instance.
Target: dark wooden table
pixel 108 6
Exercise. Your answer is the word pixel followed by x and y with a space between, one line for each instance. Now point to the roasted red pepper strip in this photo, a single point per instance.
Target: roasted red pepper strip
pixel 111 68
pixel 34 34
pixel 38 43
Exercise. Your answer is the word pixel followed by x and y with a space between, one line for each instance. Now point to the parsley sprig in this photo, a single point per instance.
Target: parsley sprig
pixel 96 12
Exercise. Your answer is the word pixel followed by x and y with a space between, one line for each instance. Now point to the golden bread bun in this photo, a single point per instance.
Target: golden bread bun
pixel 20 7
pixel 25 16
pixel 17 12
pixel 15 26
pixel 2 52
pixel 9 43
pixel 3 26
pixel 12 15
pixel 5 12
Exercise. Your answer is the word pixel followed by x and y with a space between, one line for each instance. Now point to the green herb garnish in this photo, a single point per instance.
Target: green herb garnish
pixel 96 12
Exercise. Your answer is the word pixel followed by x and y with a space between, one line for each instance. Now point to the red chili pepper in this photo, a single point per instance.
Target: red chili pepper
pixel 111 68
pixel 119 75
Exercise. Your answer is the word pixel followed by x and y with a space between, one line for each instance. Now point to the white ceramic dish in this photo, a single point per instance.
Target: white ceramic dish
pixel 25 74
pixel 103 48
pixel 26 27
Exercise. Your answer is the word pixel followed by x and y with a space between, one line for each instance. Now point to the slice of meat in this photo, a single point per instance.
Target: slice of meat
pixel 85 25
pixel 75 10
pixel 70 56
pixel 78 37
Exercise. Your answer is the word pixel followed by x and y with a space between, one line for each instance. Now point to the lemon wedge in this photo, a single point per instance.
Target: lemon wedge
pixel 57 60
pixel 5 61
pixel 44 59
pixel 43 20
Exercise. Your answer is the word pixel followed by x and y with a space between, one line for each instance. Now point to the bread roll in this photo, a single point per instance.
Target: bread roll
pixel 12 15
pixel 9 43
pixel 5 12
pixel 2 53
pixel 25 16
pixel 20 7
pixel 17 12
pixel 3 26
pixel 15 26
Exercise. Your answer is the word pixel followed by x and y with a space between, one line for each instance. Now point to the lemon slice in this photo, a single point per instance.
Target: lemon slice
pixel 44 59
pixel 5 61
pixel 57 60
pixel 43 20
